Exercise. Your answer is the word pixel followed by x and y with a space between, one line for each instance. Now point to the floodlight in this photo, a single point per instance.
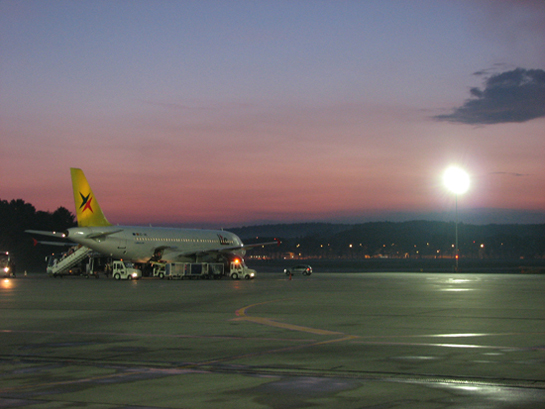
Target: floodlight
pixel 456 180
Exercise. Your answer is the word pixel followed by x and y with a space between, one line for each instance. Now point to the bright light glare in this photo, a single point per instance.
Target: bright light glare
pixel 456 180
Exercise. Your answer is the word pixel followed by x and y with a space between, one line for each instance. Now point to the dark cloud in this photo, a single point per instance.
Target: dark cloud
pixel 511 96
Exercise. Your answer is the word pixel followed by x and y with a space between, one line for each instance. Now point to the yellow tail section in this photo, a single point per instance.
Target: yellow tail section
pixel 88 211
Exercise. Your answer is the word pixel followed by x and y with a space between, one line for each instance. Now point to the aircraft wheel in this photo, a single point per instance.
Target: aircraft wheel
pixel 234 276
pixel 161 276
pixel 117 276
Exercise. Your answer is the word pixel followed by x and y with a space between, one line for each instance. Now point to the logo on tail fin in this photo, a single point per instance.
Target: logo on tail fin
pixel 86 202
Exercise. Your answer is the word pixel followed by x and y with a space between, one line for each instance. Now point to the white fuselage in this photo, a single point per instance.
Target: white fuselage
pixel 140 244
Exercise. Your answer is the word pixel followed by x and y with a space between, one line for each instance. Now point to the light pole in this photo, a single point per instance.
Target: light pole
pixel 457 181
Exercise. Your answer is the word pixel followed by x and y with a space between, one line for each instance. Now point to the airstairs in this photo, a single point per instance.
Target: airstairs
pixel 63 265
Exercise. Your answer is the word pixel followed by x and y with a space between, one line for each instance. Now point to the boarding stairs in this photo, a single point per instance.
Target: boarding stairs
pixel 69 261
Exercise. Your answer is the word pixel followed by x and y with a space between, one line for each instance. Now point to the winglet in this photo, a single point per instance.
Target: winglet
pixel 88 211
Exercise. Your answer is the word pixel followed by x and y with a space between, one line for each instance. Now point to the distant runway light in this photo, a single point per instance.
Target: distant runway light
pixel 456 180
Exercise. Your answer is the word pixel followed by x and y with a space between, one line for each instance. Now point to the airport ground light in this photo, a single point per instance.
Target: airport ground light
pixel 456 181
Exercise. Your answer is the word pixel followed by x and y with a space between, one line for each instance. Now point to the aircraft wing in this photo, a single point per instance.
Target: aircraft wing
pixel 173 254
pixel 268 243
pixel 54 243
pixel 177 255
pixel 57 234
pixel 62 235
pixel 101 235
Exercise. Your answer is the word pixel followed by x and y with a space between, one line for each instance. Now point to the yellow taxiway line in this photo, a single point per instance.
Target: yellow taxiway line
pixel 241 314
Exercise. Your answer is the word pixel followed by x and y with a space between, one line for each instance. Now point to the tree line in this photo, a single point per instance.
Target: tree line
pixel 16 216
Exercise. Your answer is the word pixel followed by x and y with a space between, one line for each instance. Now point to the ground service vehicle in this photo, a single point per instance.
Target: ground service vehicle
pixel 304 269
pixel 192 270
pixel 69 263
pixel 239 270
pixel 158 270
pixel 6 266
pixel 125 271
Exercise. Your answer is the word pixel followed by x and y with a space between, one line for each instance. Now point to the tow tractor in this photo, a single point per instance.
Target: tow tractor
pixel 125 271
pixel 240 270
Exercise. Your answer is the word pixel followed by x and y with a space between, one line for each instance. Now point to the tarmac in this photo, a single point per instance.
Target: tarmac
pixel 331 340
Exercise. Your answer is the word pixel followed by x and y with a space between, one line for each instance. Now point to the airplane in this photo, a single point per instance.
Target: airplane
pixel 141 244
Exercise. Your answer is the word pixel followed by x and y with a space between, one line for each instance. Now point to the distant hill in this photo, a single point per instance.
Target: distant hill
pixel 384 229
pixel 289 231
pixel 413 239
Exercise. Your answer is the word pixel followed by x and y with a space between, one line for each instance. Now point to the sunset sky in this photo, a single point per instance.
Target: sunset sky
pixel 233 113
